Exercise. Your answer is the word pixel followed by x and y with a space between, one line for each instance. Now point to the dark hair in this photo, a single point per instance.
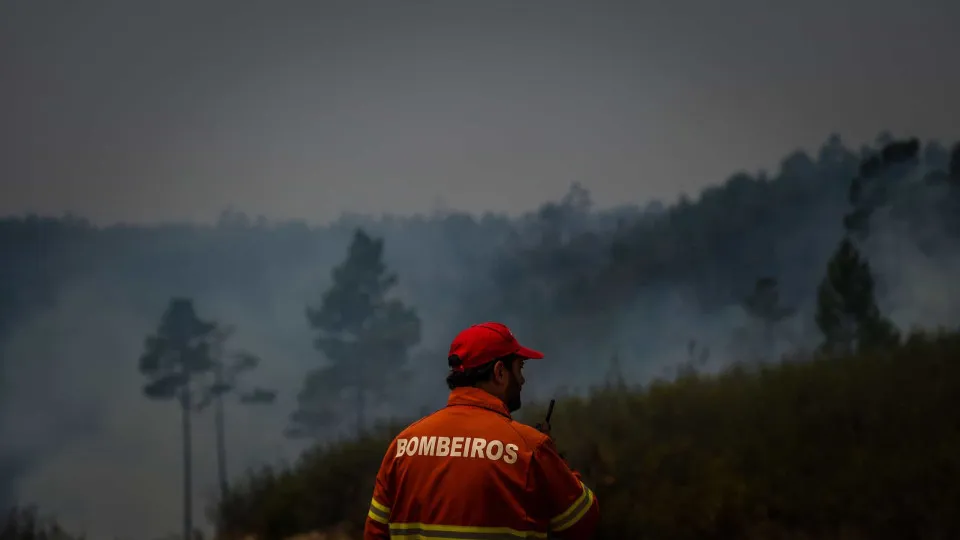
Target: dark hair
pixel 479 374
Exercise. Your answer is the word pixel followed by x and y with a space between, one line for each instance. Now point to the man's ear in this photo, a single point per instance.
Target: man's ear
pixel 499 371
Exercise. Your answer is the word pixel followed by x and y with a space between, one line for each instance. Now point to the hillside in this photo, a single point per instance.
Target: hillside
pixel 857 447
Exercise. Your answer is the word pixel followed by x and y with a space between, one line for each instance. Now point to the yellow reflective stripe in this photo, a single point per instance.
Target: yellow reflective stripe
pixel 378 512
pixel 422 531
pixel 377 517
pixel 378 506
pixel 575 512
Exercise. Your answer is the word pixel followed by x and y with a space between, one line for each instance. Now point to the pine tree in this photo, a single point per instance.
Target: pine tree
pixel 364 335
pixel 847 312
pixel 228 368
pixel 186 359
pixel 173 361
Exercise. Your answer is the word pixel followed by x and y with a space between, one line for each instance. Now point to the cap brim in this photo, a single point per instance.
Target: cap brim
pixel 529 354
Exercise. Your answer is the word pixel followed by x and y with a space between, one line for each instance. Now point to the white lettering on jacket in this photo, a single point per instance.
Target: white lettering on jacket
pixel 460 447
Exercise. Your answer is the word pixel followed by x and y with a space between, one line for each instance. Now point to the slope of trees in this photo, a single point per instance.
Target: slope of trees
pixel 715 247
pixel 852 447
pixel 562 265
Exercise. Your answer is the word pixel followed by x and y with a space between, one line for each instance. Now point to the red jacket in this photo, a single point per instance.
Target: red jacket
pixel 470 471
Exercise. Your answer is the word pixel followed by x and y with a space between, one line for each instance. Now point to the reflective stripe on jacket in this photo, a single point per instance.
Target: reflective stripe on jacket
pixel 469 471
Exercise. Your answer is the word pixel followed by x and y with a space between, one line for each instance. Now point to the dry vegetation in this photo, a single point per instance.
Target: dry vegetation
pixel 857 447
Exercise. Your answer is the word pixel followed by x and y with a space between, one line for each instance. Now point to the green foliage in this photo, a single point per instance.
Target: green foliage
pixel 327 489
pixel 847 312
pixel 228 369
pixel 586 280
pixel 173 358
pixel 852 447
pixel 364 335
pixel 179 351
pixel 714 245
pixel 186 359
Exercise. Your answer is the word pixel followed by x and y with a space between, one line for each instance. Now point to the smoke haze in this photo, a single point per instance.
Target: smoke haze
pixel 454 132
pixel 72 406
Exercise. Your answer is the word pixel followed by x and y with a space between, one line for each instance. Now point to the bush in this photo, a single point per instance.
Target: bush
pixel 864 446
pixel 326 490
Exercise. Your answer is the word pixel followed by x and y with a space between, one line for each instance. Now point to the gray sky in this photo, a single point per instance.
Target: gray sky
pixel 146 111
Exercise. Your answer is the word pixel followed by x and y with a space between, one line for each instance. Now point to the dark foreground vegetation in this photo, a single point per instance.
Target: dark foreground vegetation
pixel 863 446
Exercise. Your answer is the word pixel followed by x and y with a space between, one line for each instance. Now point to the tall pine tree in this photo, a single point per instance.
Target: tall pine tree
pixel 227 371
pixel 174 360
pixel 847 311
pixel 364 335
pixel 185 359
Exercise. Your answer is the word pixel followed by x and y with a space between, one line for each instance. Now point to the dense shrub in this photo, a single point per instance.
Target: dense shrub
pixel 857 447
pixel 282 502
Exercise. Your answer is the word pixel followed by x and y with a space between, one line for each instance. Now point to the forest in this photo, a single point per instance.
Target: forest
pixel 770 358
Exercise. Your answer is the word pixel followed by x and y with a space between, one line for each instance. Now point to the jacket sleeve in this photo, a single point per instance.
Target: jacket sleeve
pixel 377 526
pixel 569 507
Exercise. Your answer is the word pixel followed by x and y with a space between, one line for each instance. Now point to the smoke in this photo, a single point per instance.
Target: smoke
pixel 916 263
pixel 922 287
pixel 105 460
pixel 110 459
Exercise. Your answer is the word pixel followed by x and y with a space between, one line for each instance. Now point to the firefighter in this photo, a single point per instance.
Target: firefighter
pixel 469 471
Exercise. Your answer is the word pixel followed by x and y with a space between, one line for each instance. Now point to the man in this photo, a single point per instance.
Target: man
pixel 469 471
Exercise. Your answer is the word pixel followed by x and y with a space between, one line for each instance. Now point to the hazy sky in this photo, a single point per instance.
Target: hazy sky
pixel 162 110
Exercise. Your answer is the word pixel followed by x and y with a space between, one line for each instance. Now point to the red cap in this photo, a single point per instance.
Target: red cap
pixel 485 342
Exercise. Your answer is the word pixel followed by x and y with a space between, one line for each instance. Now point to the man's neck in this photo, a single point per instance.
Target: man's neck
pixel 486 388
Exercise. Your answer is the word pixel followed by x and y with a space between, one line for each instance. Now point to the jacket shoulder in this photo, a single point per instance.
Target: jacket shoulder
pixel 413 426
pixel 530 435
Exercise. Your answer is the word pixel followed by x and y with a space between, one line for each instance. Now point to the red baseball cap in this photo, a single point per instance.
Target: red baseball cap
pixel 485 342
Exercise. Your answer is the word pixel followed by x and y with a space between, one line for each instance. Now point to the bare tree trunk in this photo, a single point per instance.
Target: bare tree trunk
pixel 361 387
pixel 361 417
pixel 219 419
pixel 220 427
pixel 186 407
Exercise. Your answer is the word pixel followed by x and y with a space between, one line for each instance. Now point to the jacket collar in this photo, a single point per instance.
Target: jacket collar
pixel 475 397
